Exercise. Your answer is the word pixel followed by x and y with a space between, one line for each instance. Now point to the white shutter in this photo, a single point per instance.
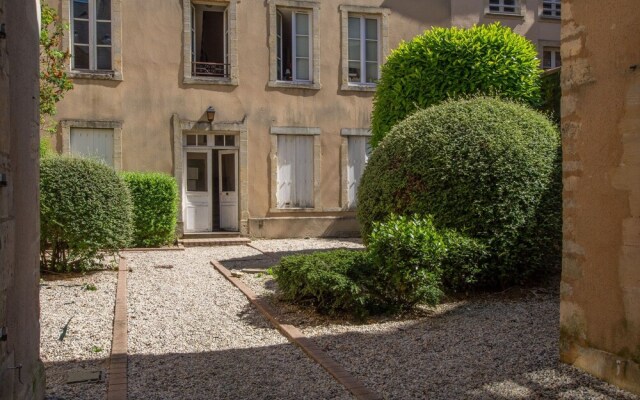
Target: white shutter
pixel 93 143
pixel 295 171
pixel 358 155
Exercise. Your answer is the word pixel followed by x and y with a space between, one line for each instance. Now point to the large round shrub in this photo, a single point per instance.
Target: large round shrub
pixel 85 212
pixel 484 167
pixel 155 204
pixel 450 63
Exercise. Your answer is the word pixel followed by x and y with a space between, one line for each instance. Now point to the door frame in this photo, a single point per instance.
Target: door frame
pixel 179 129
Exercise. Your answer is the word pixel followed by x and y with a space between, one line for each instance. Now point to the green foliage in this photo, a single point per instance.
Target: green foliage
pixel 54 81
pixel 155 204
pixel 452 63
pixel 483 167
pixel 323 279
pixel 551 94
pixel 45 148
pixel 405 263
pixel 85 213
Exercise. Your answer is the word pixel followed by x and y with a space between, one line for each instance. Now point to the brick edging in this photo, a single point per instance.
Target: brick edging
pixel 296 336
pixel 117 375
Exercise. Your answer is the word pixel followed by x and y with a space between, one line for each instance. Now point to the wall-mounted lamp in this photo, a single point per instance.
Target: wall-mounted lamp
pixel 211 113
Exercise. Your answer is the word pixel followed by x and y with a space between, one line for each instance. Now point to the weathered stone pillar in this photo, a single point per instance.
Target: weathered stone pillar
pixel 600 293
pixel 21 372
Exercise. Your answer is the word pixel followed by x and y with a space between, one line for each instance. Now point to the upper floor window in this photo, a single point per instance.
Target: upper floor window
pixel 294 44
pixel 551 57
pixel 91 35
pixel 552 8
pixel 364 45
pixel 504 7
pixel 295 51
pixel 364 49
pixel 209 42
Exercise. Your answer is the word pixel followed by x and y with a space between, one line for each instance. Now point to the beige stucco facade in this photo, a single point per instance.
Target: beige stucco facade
pixel 21 372
pixel 600 293
pixel 156 100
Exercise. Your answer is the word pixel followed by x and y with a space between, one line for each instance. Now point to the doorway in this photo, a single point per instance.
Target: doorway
pixel 210 184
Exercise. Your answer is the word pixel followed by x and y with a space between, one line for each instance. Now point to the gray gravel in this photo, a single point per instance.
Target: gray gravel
pixel 87 343
pixel 193 335
pixel 502 346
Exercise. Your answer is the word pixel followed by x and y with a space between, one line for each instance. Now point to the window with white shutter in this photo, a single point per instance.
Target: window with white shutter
pixel 93 143
pixel 295 171
pixel 358 155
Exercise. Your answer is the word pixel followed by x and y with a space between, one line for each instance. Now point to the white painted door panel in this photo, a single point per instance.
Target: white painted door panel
pixel 197 190
pixel 228 189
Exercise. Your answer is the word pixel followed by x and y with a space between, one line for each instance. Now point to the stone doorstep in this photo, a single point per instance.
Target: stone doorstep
pixel 308 346
pixel 235 241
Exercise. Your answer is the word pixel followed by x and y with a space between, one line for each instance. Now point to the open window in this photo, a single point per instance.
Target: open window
pixel 209 40
pixel 294 47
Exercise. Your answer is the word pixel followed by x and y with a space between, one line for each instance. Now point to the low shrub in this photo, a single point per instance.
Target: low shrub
pixel 453 63
pixel 45 149
pixel 155 204
pixel 405 263
pixel 85 213
pixel 323 279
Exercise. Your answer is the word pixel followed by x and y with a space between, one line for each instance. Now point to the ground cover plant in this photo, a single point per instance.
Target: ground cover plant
pixel 452 63
pixel 483 167
pixel 85 213
pixel 155 203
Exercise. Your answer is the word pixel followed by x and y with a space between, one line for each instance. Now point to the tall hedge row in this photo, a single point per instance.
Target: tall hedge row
pixel 155 203
pixel 450 63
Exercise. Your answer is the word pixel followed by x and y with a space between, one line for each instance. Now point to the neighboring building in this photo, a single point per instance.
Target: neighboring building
pixel 291 82
pixel 21 372
pixel 600 291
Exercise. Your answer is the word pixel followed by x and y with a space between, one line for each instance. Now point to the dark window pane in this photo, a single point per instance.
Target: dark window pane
pixel 103 9
pixel 104 58
pixel 558 59
pixel 510 2
pixel 202 140
pixel 191 140
pixel 228 172
pixel 354 71
pixel 103 34
pixel 81 57
pixel 229 140
pixel 80 9
pixel 354 28
pixel 196 172
pixel 219 140
pixel 81 32
pixel 372 29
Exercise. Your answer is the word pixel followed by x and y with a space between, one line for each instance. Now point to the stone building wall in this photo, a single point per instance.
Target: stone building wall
pixel 21 372
pixel 600 292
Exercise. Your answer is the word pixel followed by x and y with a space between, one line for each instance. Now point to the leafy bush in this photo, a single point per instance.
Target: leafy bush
pixel 450 63
pixel 323 280
pixel 155 203
pixel 405 263
pixel 483 167
pixel 45 148
pixel 85 213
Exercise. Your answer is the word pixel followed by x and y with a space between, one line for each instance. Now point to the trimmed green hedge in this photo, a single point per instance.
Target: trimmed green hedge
pixel 451 63
pixel 155 205
pixel 85 213
pixel 486 168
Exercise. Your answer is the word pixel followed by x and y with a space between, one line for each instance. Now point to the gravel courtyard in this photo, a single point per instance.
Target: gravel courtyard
pixel 193 335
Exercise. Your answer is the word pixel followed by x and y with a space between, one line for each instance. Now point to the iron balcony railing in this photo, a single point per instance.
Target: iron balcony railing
pixel 209 69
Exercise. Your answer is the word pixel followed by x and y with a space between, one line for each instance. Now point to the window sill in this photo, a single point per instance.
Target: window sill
pixel 504 15
pixel 548 18
pixel 192 80
pixel 99 75
pixel 309 210
pixel 358 87
pixel 294 85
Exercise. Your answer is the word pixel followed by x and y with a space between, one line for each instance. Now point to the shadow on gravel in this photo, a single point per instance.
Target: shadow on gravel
pixel 56 378
pixel 496 347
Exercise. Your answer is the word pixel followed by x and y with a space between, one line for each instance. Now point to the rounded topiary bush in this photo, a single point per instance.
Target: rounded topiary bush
pixel 450 63
pixel 85 213
pixel 155 204
pixel 483 167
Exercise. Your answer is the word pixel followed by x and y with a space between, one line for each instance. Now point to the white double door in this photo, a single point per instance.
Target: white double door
pixel 198 183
